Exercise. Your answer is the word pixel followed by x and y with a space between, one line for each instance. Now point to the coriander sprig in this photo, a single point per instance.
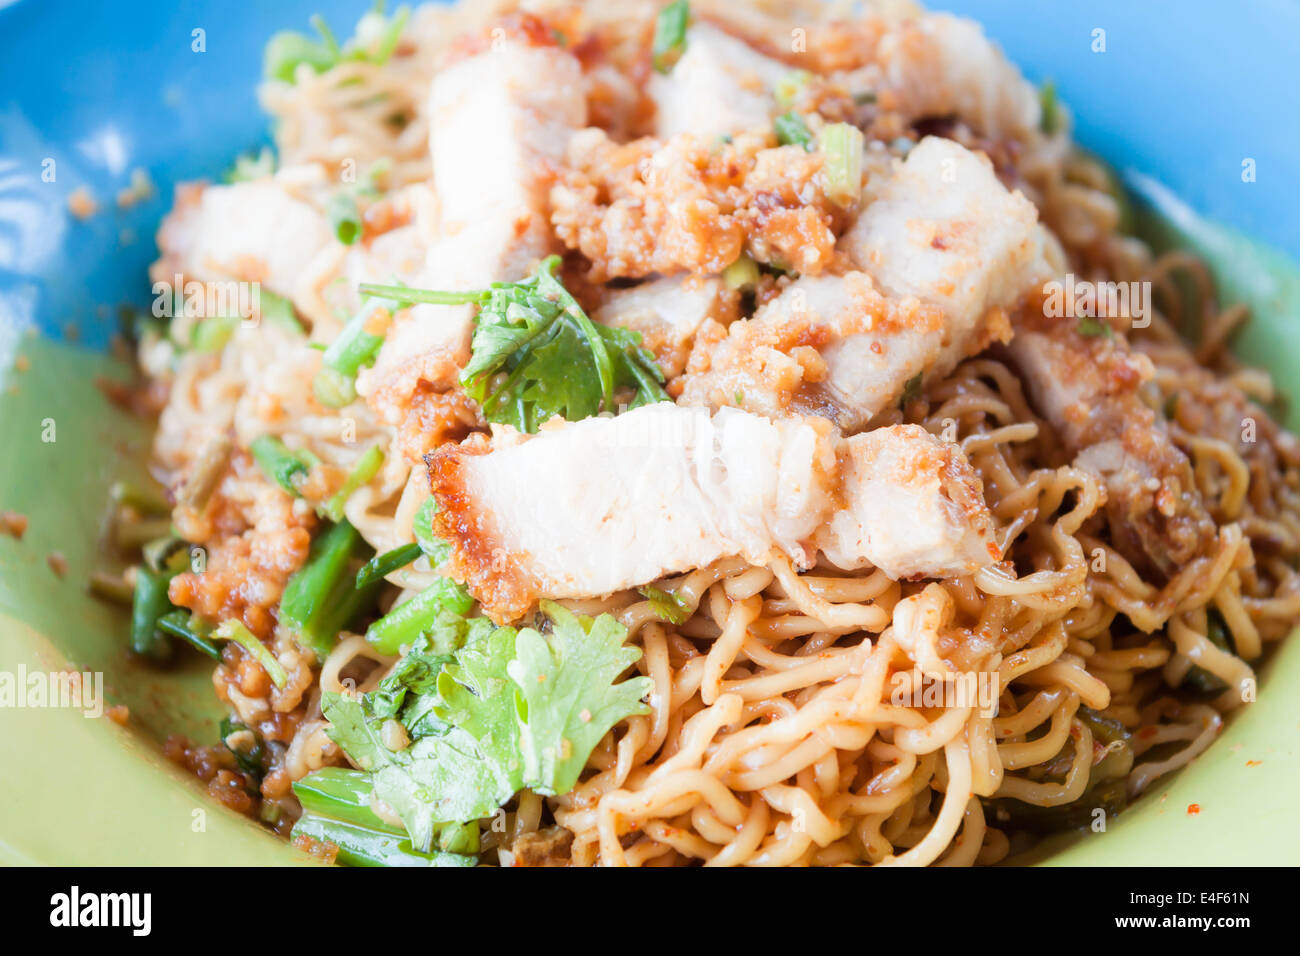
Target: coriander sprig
pixel 536 354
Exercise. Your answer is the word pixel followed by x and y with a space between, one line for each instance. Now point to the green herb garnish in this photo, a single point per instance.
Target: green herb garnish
pixel 670 35
pixel 791 130
pixel 535 353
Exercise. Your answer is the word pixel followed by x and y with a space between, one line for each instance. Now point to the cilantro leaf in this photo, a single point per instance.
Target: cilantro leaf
pixel 410 689
pixel 440 780
pixel 351 730
pixel 492 710
pixel 478 696
pixel 437 780
pixel 536 354
pixel 567 699
pixel 416 673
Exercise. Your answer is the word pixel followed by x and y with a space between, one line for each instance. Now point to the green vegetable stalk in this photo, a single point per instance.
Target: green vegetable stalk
pixel 321 598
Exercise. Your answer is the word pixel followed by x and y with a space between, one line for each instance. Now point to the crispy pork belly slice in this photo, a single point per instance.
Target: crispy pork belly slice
pixel 249 231
pixel 500 121
pixel 720 86
pixel 1089 389
pixel 945 230
pixel 827 345
pixel 911 505
pixel 945 251
pixel 668 312
pixel 941 65
pixel 593 507
pixel 604 504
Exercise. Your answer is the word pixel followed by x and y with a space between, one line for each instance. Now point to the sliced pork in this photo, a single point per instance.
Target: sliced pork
pixel 500 120
pixel 597 506
pixel 249 232
pixel 720 86
pixel 1088 387
pixel 944 249
pixel 668 312
pixel 939 65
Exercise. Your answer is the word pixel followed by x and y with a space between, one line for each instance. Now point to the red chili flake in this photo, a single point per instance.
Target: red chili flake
pixel 1193 809
pixel 1252 763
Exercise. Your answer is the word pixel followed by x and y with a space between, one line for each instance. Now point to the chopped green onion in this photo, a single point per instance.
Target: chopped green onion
pixel 150 603
pixel 205 474
pixel 144 500
pixel 337 808
pixel 166 554
pixel 791 130
pixel 841 144
pixel 326 34
pixel 382 565
pixel 344 217
pixel 284 467
pixel 234 630
pixel 249 759
pixel 129 535
pixel 1050 113
pixel 1217 633
pixel 334 385
pixel 392 34
pixel 321 598
pixel 366 468
pixel 788 88
pixel 278 309
pixel 911 391
pixel 741 274
pixel 287 50
pixel 668 605
pixel 249 167
pixel 401 293
pixel 406 622
pixel 190 629
pixel 670 35
pixel 341 794
pixel 212 334
pixel 363 846
pixel 1092 328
